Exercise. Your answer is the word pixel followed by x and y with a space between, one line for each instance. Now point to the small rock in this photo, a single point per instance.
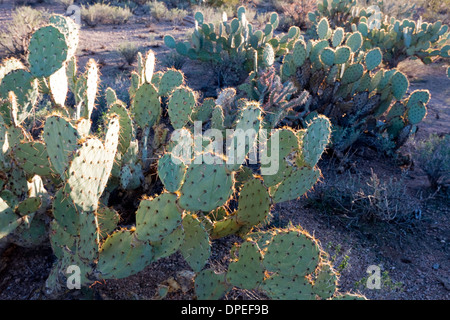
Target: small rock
pixel 436 266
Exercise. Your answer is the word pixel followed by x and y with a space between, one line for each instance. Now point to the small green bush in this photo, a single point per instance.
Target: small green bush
pixel 367 199
pixel 100 13
pixel 129 51
pixel 433 157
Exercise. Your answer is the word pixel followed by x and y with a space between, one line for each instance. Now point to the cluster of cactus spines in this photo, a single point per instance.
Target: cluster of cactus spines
pixel 81 170
pixel 396 39
pixel 209 42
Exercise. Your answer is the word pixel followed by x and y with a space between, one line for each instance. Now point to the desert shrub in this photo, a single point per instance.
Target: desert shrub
pixel 65 3
pixel 129 51
pixel 434 10
pixel 100 13
pixel 173 60
pixel 228 71
pixel 160 12
pixel 220 3
pixel 400 9
pixel 15 38
pixel 294 12
pixel 432 155
pixel 367 199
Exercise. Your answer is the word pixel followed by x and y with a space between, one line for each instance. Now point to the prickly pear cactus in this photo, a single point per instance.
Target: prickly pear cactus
pixel 60 183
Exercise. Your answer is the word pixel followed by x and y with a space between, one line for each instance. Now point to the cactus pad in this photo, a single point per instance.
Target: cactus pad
pixel 61 140
pixel 207 185
pixel 122 255
pixel 171 172
pixel 210 285
pixel 158 217
pixel 196 247
pixel 146 106
pixel 180 106
pixel 48 51
pixel 247 271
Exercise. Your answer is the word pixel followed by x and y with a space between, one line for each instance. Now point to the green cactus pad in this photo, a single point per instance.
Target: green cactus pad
pixel 48 50
pixel 88 242
pixel 323 28
pixel 416 112
pixel 287 144
pixel 355 41
pixel 60 239
pixel 373 58
pixel 171 79
pixel 17 182
pixel 418 96
pixel 397 110
pixel 29 206
pixel 217 118
pixel 395 126
pixel 122 255
pixel 326 282
pixel 204 111
pixel 61 141
pixel 299 53
pixel 254 203
pixel 158 217
pixel 171 171
pixel 31 235
pixel 110 96
pixel 210 285
pixel 196 247
pixel 146 106
pixel 180 107
pixel 328 56
pixel 342 55
pixel 296 184
pixel 9 221
pixel 281 287
pixel 208 185
pixel 108 219
pixel 25 88
pixel 352 73
pixel 245 135
pixel 247 271
pixel 315 140
pixel 126 125
pixel 338 37
pixel 399 84
pixel 169 244
pixel 292 253
pixel 33 158
pixel 90 169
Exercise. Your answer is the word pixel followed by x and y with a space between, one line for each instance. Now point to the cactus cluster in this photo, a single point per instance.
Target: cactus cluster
pixel 56 186
pixel 209 41
pixel 349 85
pixel 397 39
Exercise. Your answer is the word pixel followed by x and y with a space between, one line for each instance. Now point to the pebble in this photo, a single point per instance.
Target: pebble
pixel 436 266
